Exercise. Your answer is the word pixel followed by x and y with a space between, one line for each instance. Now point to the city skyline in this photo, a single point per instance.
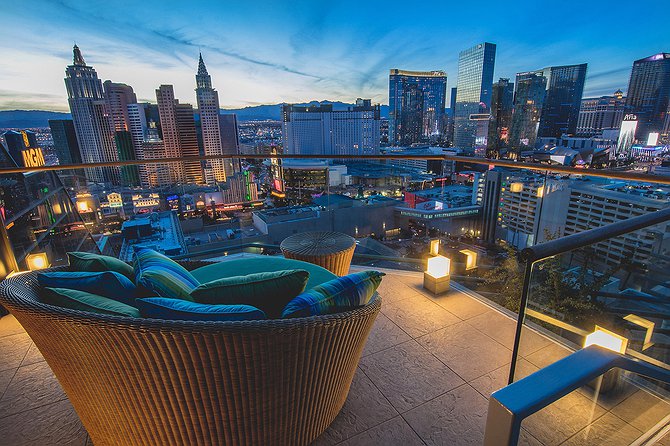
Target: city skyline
pixel 273 54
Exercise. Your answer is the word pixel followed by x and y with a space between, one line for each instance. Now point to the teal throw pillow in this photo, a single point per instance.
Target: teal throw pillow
pixel 107 284
pixel 83 301
pixel 337 295
pixel 94 263
pixel 159 275
pixel 183 310
pixel 269 291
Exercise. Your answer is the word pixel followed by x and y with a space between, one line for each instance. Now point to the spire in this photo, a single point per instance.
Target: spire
pixel 202 69
pixel 78 59
pixel 202 79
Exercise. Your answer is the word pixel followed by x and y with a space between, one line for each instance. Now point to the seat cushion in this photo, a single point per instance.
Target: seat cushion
pixel 260 264
pixel 179 309
pixel 159 275
pixel 337 295
pixel 83 301
pixel 269 291
pixel 108 284
pixel 89 262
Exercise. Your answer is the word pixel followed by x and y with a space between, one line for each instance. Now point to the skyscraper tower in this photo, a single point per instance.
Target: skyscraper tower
pixel 473 97
pixel 208 105
pixel 531 88
pixel 502 103
pixel 546 104
pixel 91 119
pixel 416 105
pixel 648 96
pixel 179 138
pixel 118 97
pixel 560 111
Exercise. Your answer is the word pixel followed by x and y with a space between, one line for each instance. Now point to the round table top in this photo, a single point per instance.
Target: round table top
pixel 317 243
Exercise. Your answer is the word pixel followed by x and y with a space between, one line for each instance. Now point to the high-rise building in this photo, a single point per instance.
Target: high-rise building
pixel 65 141
pixel 531 88
pixel 208 106
pixel 473 97
pixel 546 104
pixel 452 110
pixel 188 143
pixel 648 96
pixel 118 97
pixel 416 106
pixel 179 136
pixel 91 119
pixel 560 111
pixel 130 175
pixel 598 114
pixel 240 188
pixel 230 141
pixel 502 103
pixel 317 130
pixel 22 147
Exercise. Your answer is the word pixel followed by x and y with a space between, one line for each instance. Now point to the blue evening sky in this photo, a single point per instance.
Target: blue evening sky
pixel 261 52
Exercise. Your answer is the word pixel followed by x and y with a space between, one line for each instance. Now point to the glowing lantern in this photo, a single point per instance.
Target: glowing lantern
pixel 434 247
pixel 607 339
pixel 438 266
pixel 470 260
pixel 436 278
pixel 37 261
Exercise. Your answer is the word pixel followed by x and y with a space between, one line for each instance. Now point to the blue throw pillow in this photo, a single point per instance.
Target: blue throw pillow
pixel 160 275
pixel 183 310
pixel 340 294
pixel 106 283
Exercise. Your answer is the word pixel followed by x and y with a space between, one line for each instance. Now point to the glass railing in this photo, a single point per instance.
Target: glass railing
pixel 483 212
pixel 609 287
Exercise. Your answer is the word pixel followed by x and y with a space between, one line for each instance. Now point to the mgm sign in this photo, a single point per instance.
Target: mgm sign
pixel 32 156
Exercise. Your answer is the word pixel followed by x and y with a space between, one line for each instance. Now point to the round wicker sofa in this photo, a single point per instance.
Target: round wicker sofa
pixel 153 382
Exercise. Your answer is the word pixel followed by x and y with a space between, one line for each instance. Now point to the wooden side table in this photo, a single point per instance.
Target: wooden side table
pixel 331 250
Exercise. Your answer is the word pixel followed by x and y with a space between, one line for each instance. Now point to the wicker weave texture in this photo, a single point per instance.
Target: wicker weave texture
pixel 149 382
pixel 331 250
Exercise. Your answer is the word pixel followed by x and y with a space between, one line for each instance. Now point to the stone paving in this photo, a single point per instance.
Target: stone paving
pixel 427 371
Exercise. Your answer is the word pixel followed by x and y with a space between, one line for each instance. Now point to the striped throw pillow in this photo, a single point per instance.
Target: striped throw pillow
pixel 160 275
pixel 337 295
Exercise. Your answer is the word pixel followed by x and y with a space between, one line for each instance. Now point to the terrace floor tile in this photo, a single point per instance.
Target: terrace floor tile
pixel 466 350
pixel 458 417
pixel 408 375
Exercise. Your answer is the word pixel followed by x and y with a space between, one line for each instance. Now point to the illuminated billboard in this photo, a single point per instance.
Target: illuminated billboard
pixel 652 139
pixel 626 134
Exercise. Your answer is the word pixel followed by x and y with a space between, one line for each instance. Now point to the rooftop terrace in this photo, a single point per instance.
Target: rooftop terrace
pixel 427 371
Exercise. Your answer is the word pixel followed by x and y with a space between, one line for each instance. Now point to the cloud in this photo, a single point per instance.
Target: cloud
pixel 609 73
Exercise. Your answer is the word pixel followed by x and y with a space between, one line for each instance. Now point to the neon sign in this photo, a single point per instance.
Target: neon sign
pixel 33 157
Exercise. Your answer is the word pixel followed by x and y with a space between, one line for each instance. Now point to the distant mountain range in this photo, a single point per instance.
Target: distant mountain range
pixel 40 118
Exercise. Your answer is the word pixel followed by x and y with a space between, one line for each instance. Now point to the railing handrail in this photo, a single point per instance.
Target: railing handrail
pixel 606 173
pixel 595 235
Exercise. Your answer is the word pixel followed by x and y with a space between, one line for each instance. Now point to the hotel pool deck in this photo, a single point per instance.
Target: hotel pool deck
pixel 425 376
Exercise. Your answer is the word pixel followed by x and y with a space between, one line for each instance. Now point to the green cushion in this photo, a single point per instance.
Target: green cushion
pixel 158 274
pixel 269 291
pixel 94 263
pixel 335 296
pixel 261 264
pixel 83 301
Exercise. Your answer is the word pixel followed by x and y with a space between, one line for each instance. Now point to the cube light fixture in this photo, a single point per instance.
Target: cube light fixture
pixel 37 261
pixel 434 247
pixel 470 259
pixel 607 339
pixel 437 276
